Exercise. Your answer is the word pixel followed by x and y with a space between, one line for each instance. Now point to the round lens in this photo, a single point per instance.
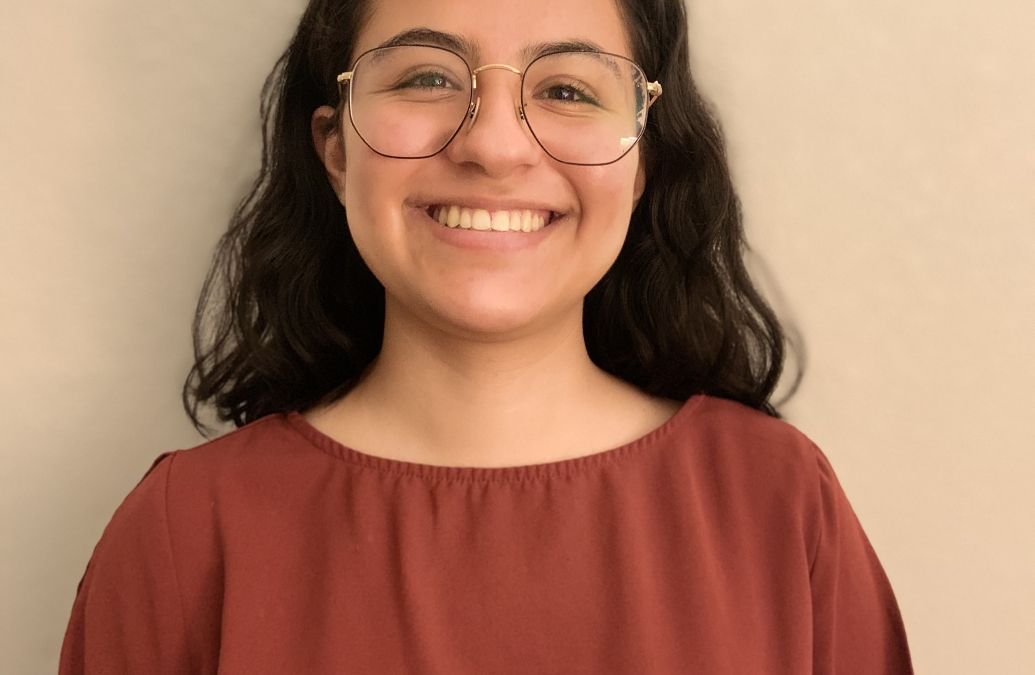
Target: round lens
pixel 409 101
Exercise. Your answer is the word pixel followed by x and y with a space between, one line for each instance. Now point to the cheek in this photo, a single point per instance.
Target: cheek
pixel 364 181
pixel 360 211
pixel 605 196
pixel 610 186
pixel 372 194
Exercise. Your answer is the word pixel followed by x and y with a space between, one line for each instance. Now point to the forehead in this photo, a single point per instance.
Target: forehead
pixel 493 31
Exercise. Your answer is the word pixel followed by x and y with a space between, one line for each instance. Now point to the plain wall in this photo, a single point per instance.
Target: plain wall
pixel 885 155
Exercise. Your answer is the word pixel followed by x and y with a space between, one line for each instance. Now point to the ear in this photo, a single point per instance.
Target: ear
pixel 330 147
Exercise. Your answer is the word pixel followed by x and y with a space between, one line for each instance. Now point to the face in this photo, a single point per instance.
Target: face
pixel 486 284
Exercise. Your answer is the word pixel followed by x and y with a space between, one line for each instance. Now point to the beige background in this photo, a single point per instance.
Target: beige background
pixel 885 153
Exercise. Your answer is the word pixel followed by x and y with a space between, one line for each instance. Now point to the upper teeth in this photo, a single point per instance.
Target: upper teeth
pixel 480 219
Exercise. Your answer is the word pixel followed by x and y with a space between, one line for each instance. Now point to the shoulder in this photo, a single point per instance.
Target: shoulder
pixel 762 472
pixel 264 461
pixel 269 438
pixel 267 444
pixel 199 497
pixel 739 433
pixel 253 459
pixel 745 451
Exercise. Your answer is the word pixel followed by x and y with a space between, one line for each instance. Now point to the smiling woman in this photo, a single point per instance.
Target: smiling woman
pixel 502 382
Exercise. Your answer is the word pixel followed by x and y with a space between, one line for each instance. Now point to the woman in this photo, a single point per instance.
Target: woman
pixel 502 381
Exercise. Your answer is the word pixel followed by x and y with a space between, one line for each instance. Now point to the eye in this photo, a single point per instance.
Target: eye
pixel 428 80
pixel 567 93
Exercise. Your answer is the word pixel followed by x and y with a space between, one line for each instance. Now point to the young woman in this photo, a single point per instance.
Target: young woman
pixel 503 385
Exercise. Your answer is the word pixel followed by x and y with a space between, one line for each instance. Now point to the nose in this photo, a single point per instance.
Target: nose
pixel 494 136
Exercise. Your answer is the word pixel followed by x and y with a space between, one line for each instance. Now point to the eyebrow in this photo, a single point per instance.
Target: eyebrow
pixel 468 49
pixel 432 38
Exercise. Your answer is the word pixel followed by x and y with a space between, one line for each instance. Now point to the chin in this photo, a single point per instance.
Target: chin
pixel 490 317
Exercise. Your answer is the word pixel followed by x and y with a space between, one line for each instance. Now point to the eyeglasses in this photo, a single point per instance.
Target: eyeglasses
pixel 583 107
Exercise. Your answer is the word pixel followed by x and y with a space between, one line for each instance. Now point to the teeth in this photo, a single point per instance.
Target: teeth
pixel 501 221
pixel 480 219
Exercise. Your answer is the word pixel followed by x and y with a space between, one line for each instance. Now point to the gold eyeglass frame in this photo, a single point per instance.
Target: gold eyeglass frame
pixel 654 90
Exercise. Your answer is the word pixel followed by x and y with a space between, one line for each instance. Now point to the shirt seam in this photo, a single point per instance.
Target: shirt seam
pixel 172 561
pixel 531 473
pixel 818 493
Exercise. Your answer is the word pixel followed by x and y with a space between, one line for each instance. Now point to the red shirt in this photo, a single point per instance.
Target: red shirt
pixel 719 543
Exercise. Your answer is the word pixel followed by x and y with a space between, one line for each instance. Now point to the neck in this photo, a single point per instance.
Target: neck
pixel 438 397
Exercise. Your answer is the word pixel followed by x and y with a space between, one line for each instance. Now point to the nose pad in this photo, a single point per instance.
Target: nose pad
pixel 472 112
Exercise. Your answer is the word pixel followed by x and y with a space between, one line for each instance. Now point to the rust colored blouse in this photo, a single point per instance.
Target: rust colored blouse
pixel 719 543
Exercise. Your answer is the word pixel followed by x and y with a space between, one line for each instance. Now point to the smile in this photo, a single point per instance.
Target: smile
pixel 465 218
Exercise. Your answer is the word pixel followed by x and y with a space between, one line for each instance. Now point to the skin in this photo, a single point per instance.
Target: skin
pixel 484 361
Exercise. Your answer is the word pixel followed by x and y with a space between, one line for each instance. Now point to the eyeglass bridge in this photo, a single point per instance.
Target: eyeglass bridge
pixel 472 112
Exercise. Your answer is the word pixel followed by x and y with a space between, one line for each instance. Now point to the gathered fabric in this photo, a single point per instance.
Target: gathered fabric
pixel 719 543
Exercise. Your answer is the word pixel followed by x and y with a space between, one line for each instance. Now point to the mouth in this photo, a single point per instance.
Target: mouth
pixel 515 220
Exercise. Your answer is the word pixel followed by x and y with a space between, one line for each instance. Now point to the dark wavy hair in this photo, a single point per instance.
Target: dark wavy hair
pixel 290 315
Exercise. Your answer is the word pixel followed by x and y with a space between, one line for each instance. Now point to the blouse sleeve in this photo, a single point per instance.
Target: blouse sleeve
pixel 857 626
pixel 127 616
